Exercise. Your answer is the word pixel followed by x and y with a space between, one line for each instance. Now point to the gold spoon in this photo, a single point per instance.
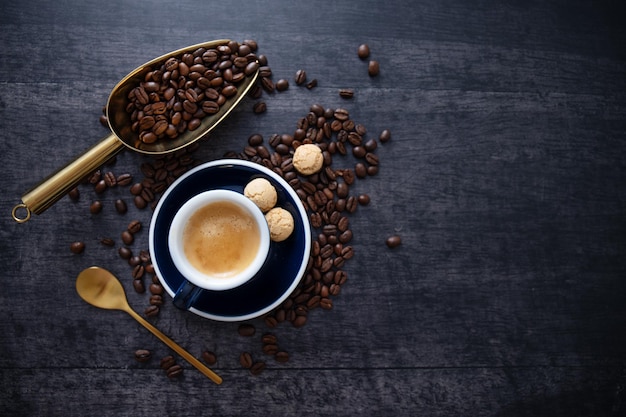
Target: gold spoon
pixel 101 288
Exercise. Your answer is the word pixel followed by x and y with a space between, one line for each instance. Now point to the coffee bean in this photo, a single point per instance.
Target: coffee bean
pixel 127 237
pixel 136 189
pixel 140 203
pixel 107 241
pixel 174 371
pixel 373 69
pixel 363 199
pixel 77 247
pixel 142 355
pixel 152 311
pixel 246 330
pixel 281 356
pixel 269 338
pixel 255 140
pixel 100 187
pixel 120 206
pixel 156 300
pixel 138 271
pixel 312 84
pixel 74 194
pixel 139 286
pixel 299 321
pixel 95 177
pixel 282 85
pixel 110 179
pixel 300 77
pixel 245 359
pixel 360 170
pixel 393 241
pixel 96 207
pixel 167 362
pixel 385 136
pixel 125 253
pixel 134 227
pixel 346 93
pixel 209 357
pixel 259 107
pixel 156 289
pixel 257 368
pixel 124 179
pixel 363 51
pixel 270 349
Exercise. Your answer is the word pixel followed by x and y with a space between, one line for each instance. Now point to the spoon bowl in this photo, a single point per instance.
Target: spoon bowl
pixel 102 289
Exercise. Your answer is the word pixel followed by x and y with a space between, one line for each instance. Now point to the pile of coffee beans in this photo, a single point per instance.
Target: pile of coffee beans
pixel 349 155
pixel 175 96
pixel 326 197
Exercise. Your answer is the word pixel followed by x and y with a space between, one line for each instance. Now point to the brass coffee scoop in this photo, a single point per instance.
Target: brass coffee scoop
pixel 55 186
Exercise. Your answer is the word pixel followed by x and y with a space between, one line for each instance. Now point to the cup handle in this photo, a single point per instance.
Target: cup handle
pixel 186 295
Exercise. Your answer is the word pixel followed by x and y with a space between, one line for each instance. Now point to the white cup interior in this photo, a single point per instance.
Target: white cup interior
pixel 176 244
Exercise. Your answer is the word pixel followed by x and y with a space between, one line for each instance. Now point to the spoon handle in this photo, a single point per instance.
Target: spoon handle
pixel 174 346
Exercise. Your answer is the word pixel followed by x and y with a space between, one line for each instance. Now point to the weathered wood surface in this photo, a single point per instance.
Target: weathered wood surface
pixel 505 177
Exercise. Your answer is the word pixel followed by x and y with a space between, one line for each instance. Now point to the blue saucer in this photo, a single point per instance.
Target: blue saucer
pixel 286 262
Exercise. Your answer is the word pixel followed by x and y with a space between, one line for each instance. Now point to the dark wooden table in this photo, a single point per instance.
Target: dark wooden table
pixel 505 178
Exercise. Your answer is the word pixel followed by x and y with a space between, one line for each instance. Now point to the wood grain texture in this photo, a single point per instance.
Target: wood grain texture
pixel 504 176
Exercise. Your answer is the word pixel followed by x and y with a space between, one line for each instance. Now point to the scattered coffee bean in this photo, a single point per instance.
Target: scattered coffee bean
pixel 346 93
pixel 152 311
pixel 156 289
pixel 136 188
pixel 74 194
pixel 300 77
pixel 363 51
pixel 209 357
pixel 134 227
pixel 269 338
pixel 373 69
pixel 245 359
pixel 139 286
pixel 110 179
pixel 257 368
pixel 124 180
pixel 174 371
pixel 363 199
pixel 281 356
pixel 96 207
pixel 77 247
pixel 120 206
pixel 107 241
pixel 142 355
pixel 282 85
pixel 385 135
pixel 167 362
pixel 312 84
pixel 393 241
pixel 259 107
pixel 127 237
pixel 100 186
pixel 246 330
pixel 125 253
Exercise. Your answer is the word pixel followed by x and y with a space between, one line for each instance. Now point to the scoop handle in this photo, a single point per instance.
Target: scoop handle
pixel 55 186
pixel 176 348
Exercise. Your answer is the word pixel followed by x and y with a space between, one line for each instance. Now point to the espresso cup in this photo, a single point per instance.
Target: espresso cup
pixel 218 240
